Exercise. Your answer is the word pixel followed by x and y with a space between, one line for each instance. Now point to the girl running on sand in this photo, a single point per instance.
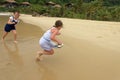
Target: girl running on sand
pixel 47 40
pixel 11 26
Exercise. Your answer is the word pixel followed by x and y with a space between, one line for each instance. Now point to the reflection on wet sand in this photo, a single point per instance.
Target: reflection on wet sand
pixel 13 53
pixel 45 72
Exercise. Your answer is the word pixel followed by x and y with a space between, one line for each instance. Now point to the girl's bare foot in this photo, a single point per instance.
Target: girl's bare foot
pixel 38 57
pixel 15 42
pixel 2 40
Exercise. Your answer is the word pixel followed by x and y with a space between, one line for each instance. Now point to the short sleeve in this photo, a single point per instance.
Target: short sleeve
pixel 11 18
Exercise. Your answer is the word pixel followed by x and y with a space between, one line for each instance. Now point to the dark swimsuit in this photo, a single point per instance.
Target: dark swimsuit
pixel 9 27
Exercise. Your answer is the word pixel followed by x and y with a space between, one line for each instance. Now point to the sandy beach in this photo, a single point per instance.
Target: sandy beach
pixel 91 51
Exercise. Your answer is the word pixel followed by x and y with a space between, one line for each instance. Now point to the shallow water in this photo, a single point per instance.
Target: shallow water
pixel 77 60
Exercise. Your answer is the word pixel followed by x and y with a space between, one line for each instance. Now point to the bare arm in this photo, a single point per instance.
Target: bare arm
pixel 9 22
pixel 53 36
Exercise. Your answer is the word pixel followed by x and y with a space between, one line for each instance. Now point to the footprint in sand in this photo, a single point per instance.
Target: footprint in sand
pixel 99 37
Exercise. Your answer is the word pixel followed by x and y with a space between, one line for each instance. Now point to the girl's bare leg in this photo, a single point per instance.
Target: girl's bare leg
pixel 15 35
pixel 44 52
pixel 4 35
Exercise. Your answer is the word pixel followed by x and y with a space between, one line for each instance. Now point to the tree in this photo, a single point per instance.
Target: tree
pixel 1 1
pixel 92 8
pixel 78 5
pixel 111 2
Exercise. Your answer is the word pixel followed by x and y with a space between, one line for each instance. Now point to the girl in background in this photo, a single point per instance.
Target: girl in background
pixel 11 26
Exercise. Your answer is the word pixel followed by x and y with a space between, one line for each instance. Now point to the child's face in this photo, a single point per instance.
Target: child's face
pixel 59 27
pixel 17 14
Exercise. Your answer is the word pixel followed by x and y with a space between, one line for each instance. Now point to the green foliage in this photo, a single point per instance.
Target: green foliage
pixel 1 1
pixel 39 9
pixel 2 9
pixel 111 2
pixel 107 10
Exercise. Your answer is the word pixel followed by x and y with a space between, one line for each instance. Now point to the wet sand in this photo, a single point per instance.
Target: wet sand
pixel 79 59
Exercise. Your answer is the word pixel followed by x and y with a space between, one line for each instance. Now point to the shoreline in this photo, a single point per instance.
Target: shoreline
pixel 5 13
